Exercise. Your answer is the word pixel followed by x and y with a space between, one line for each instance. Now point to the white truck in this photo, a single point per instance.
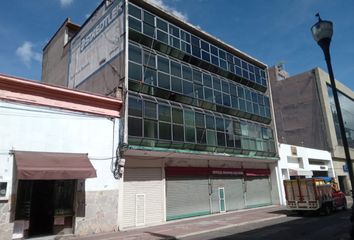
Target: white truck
pixel 314 194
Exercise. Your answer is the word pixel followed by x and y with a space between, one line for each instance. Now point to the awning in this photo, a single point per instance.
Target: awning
pixel 300 172
pixel 251 172
pixel 53 166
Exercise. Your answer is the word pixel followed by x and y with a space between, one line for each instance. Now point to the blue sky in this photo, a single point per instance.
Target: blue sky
pixel 272 31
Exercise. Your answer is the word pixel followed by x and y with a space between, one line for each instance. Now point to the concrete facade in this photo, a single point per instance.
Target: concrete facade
pixel 304 116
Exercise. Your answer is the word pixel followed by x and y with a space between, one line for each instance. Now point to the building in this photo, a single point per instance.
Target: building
pixel 57 150
pixel 198 135
pixel 306 117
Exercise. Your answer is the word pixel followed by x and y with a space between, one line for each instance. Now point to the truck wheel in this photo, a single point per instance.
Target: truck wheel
pixel 345 205
pixel 327 209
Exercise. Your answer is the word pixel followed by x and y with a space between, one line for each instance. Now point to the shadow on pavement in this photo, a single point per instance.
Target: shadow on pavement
pixel 162 236
pixel 308 227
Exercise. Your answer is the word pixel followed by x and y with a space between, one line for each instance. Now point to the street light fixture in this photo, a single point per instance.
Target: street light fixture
pixel 322 32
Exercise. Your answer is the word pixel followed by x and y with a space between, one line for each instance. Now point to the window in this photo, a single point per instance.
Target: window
pixel 196 51
pixel 210 122
pixel 150 59
pixel 185 36
pixel 161 36
pixel 164 80
pixel 161 24
pixel 135 127
pixel 163 64
pixel 195 41
pixel 150 76
pixel 150 128
pixel 216 83
pixel 164 113
pixel 178 133
pixel 187 73
pixel 164 131
pixel 174 31
pixel 134 71
pixel 176 69
pixel 150 110
pixel 134 54
pixel 188 88
pixel 177 115
pixel 134 11
pixel 148 30
pixel 199 120
pixel 207 80
pixel 214 50
pixel 135 107
pixel 149 18
pixel 197 76
pixel 176 84
pixel 134 24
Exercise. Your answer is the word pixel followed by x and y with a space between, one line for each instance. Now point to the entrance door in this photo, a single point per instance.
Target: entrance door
pixel 42 209
pixel 222 199
pixel 341 180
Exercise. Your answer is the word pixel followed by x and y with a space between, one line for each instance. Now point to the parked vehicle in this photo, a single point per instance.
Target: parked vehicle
pixel 314 194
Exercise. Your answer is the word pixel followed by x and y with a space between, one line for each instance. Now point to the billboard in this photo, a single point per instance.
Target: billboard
pixel 99 41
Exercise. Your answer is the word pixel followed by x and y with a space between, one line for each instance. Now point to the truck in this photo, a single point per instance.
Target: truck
pixel 314 194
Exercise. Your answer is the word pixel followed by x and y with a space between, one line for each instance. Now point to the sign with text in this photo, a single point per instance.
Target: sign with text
pixel 99 40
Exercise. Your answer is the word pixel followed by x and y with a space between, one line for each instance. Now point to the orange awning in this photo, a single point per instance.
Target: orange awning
pixel 53 166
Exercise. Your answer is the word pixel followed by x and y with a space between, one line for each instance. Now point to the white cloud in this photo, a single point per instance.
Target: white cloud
pixel 161 4
pixel 66 3
pixel 26 53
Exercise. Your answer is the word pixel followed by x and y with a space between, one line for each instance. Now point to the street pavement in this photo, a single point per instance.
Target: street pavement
pixel 272 222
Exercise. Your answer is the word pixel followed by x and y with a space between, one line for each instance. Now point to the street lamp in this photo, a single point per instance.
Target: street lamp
pixel 322 32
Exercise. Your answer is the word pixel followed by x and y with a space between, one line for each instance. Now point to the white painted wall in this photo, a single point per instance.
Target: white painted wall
pixel 35 128
pixel 288 161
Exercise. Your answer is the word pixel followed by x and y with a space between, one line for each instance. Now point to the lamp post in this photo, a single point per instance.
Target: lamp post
pixel 322 32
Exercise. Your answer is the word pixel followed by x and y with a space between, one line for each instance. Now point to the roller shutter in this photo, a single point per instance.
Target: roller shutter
pixel 258 191
pixel 187 197
pixel 233 189
pixel 143 197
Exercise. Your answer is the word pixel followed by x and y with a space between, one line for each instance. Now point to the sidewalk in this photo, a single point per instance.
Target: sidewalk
pixel 189 227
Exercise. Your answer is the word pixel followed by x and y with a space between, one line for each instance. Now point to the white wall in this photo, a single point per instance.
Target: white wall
pixel 34 128
pixel 288 161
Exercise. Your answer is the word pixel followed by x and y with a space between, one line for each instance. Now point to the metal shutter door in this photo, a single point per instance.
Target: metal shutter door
pixel 233 194
pixel 258 191
pixel 143 197
pixel 187 197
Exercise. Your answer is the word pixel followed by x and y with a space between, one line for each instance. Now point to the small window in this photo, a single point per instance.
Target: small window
pixel 134 24
pixel 205 56
pixel 150 110
pixel 207 80
pixel 197 76
pixel 210 122
pixel 234 102
pixel 134 11
pixel 187 72
pixel 240 92
pixel 185 36
pixel 211 138
pixel 220 124
pixel 208 93
pixel 233 89
pixel 214 50
pixel 199 120
pixel 174 31
pixel 135 54
pixel 195 41
pixel 176 69
pixel 225 86
pixel 165 131
pixel 221 138
pixel 176 84
pixel 175 42
pixel 188 88
pixel 214 60
pixel 150 128
pixel 162 36
pixel 204 45
pixel 198 91
pixel 189 118
pixel 216 83
pixel 135 107
pixel 229 58
pixel 217 97
pixel 149 18
pixel 196 51
pixel 134 71
pixel 163 64
pixel 226 100
pixel 150 59
pixel 237 61
pixel 135 127
pixel 177 115
pixel 148 30
pixel 222 54
pixel 164 113
pixel 178 133
pixel 223 64
pixel 201 136
pixel 150 76
pixel 164 80
pixel 190 134
pixel 161 24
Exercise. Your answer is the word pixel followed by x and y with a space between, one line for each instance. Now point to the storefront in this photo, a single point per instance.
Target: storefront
pixel 195 191
pixel 46 190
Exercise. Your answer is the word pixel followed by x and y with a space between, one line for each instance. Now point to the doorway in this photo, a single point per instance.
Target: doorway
pixel 42 208
pixel 341 180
